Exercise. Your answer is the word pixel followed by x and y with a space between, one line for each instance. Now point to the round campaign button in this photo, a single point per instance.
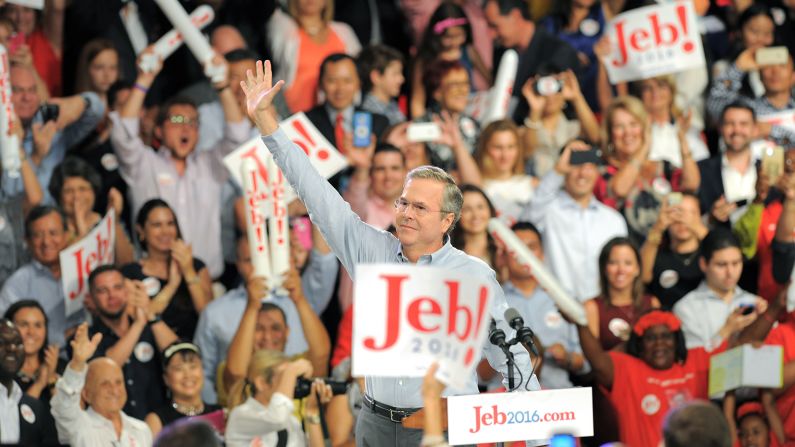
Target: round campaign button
pixel 27 413
pixel 152 285
pixel 144 351
pixel 553 319
pixel 589 27
pixel 109 162
pixel 669 278
pixel 619 327
pixel 650 404
pixel 661 186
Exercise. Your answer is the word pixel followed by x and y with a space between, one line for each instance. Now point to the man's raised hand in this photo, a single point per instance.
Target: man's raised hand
pixel 260 91
pixel 83 347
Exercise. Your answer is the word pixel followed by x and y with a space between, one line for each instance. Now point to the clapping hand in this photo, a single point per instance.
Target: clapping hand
pixel 83 347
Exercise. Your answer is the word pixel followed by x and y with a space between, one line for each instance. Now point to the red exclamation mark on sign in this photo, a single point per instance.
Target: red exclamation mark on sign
pixel 321 153
pixel 260 238
pixel 280 224
pixel 681 13
pixel 484 294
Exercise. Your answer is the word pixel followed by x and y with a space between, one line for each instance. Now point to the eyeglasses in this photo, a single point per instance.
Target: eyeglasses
pixel 420 210
pixel 183 120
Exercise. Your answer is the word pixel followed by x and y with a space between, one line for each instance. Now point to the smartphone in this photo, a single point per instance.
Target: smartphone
pixel 562 440
pixel 49 112
pixel 423 132
pixel 674 198
pixel 362 129
pixel 592 155
pixel 741 203
pixel 302 228
pixel 772 56
pixel 773 163
pixel 747 309
pixel 548 85
pixel 15 41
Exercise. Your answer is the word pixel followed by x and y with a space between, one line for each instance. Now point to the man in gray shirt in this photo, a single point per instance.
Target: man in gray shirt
pixel 426 211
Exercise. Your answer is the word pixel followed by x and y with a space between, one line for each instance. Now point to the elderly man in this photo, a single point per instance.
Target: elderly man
pixel 101 385
pixel 131 336
pixel 45 234
pixel 46 142
pixel 23 419
pixel 426 211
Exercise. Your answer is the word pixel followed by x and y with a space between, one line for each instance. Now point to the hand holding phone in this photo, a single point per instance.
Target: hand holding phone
pixel 362 129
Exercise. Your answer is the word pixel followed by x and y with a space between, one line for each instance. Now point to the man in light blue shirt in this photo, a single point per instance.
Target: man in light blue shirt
pixel 574 224
pixel 220 319
pixel 427 210
pixel 561 345
pixel 45 232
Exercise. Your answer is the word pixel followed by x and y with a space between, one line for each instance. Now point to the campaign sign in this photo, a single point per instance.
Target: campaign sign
pixel 653 41
pixel 304 134
pixel 409 316
pixel 35 4
pixel 79 259
pixel 519 416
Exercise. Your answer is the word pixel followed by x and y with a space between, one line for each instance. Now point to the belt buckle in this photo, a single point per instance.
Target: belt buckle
pixel 392 416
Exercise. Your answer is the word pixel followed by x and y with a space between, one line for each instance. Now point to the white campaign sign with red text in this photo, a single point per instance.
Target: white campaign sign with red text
pixel 785 118
pixel 79 259
pixel 304 134
pixel 653 41
pixel 407 316
pixel 519 416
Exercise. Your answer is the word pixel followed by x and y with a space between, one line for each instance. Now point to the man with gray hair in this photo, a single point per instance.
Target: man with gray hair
pixel 425 213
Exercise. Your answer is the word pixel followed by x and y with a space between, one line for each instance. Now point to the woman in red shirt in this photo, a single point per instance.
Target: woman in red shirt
pixel 657 372
pixel 43 38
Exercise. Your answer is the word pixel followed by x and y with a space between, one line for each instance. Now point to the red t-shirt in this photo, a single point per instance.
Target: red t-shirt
pixel 46 62
pixel 344 347
pixel 784 335
pixel 643 395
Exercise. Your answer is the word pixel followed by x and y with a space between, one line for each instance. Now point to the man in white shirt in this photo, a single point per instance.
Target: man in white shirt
pixel 717 308
pixel 101 385
pixel 573 224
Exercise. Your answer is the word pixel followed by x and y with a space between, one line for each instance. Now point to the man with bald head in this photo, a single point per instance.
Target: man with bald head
pixel 101 384
pixel 23 419
pixel 46 142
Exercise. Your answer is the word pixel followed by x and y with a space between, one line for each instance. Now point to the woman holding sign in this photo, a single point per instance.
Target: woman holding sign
pixel 178 283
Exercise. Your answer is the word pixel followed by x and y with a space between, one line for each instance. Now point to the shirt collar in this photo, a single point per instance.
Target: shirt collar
pixel 41 269
pixel 16 392
pixel 436 256
pixel 706 292
pixel 347 114
pixel 567 201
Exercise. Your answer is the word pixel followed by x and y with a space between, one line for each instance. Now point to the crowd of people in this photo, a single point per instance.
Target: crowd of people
pixel 652 202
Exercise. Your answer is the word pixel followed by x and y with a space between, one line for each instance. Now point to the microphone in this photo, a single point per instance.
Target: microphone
pixel 523 333
pixel 496 336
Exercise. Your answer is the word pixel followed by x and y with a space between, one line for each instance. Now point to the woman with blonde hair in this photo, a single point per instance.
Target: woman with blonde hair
pixel 499 156
pixel 658 95
pixel 299 40
pixel 631 182
pixel 262 406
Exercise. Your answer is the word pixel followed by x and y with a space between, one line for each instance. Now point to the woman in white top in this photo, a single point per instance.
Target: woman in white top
pixel 267 415
pixel 499 156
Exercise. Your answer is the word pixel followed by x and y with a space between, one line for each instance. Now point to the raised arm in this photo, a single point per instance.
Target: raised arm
pixel 242 346
pixel 314 331
pixel 601 363
pixel 572 93
pixel 53 24
pixel 650 247
pixel 691 175
pixel 351 239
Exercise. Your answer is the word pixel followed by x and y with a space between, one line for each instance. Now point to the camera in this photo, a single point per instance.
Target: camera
pixel 304 386
pixel 548 85
pixel 49 112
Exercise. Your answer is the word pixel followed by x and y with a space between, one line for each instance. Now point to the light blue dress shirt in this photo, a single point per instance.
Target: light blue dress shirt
pixel 541 315
pixel 220 319
pixel 355 242
pixel 34 281
pixel 573 236
pixel 61 142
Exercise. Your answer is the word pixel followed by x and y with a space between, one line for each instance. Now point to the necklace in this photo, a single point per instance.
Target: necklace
pixel 686 258
pixel 188 410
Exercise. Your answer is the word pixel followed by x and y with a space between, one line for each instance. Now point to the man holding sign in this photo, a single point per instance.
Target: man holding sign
pixel 426 211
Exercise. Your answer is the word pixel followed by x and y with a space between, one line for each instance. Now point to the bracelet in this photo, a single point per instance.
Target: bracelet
pixel 530 124
pixel 312 419
pixel 156 319
pixel 220 89
pixel 141 87
pixel 654 238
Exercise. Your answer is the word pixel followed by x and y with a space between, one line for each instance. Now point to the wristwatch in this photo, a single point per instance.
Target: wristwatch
pixel 156 319
pixel 312 418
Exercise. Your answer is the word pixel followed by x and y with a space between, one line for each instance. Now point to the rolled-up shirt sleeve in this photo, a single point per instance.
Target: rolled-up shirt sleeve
pixel 65 405
pixel 127 144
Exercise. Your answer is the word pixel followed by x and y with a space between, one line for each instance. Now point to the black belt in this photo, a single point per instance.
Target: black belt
pixel 394 414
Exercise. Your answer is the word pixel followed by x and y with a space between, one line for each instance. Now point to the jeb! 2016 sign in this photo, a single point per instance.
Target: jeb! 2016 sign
pixel 407 317
pixel 653 41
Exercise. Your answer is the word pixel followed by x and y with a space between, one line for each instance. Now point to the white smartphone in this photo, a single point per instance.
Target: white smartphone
pixel 772 56
pixel 423 132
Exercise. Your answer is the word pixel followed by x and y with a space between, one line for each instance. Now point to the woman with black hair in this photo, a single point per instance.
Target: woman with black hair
pixel 178 283
pixel 41 367
pixel 75 186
